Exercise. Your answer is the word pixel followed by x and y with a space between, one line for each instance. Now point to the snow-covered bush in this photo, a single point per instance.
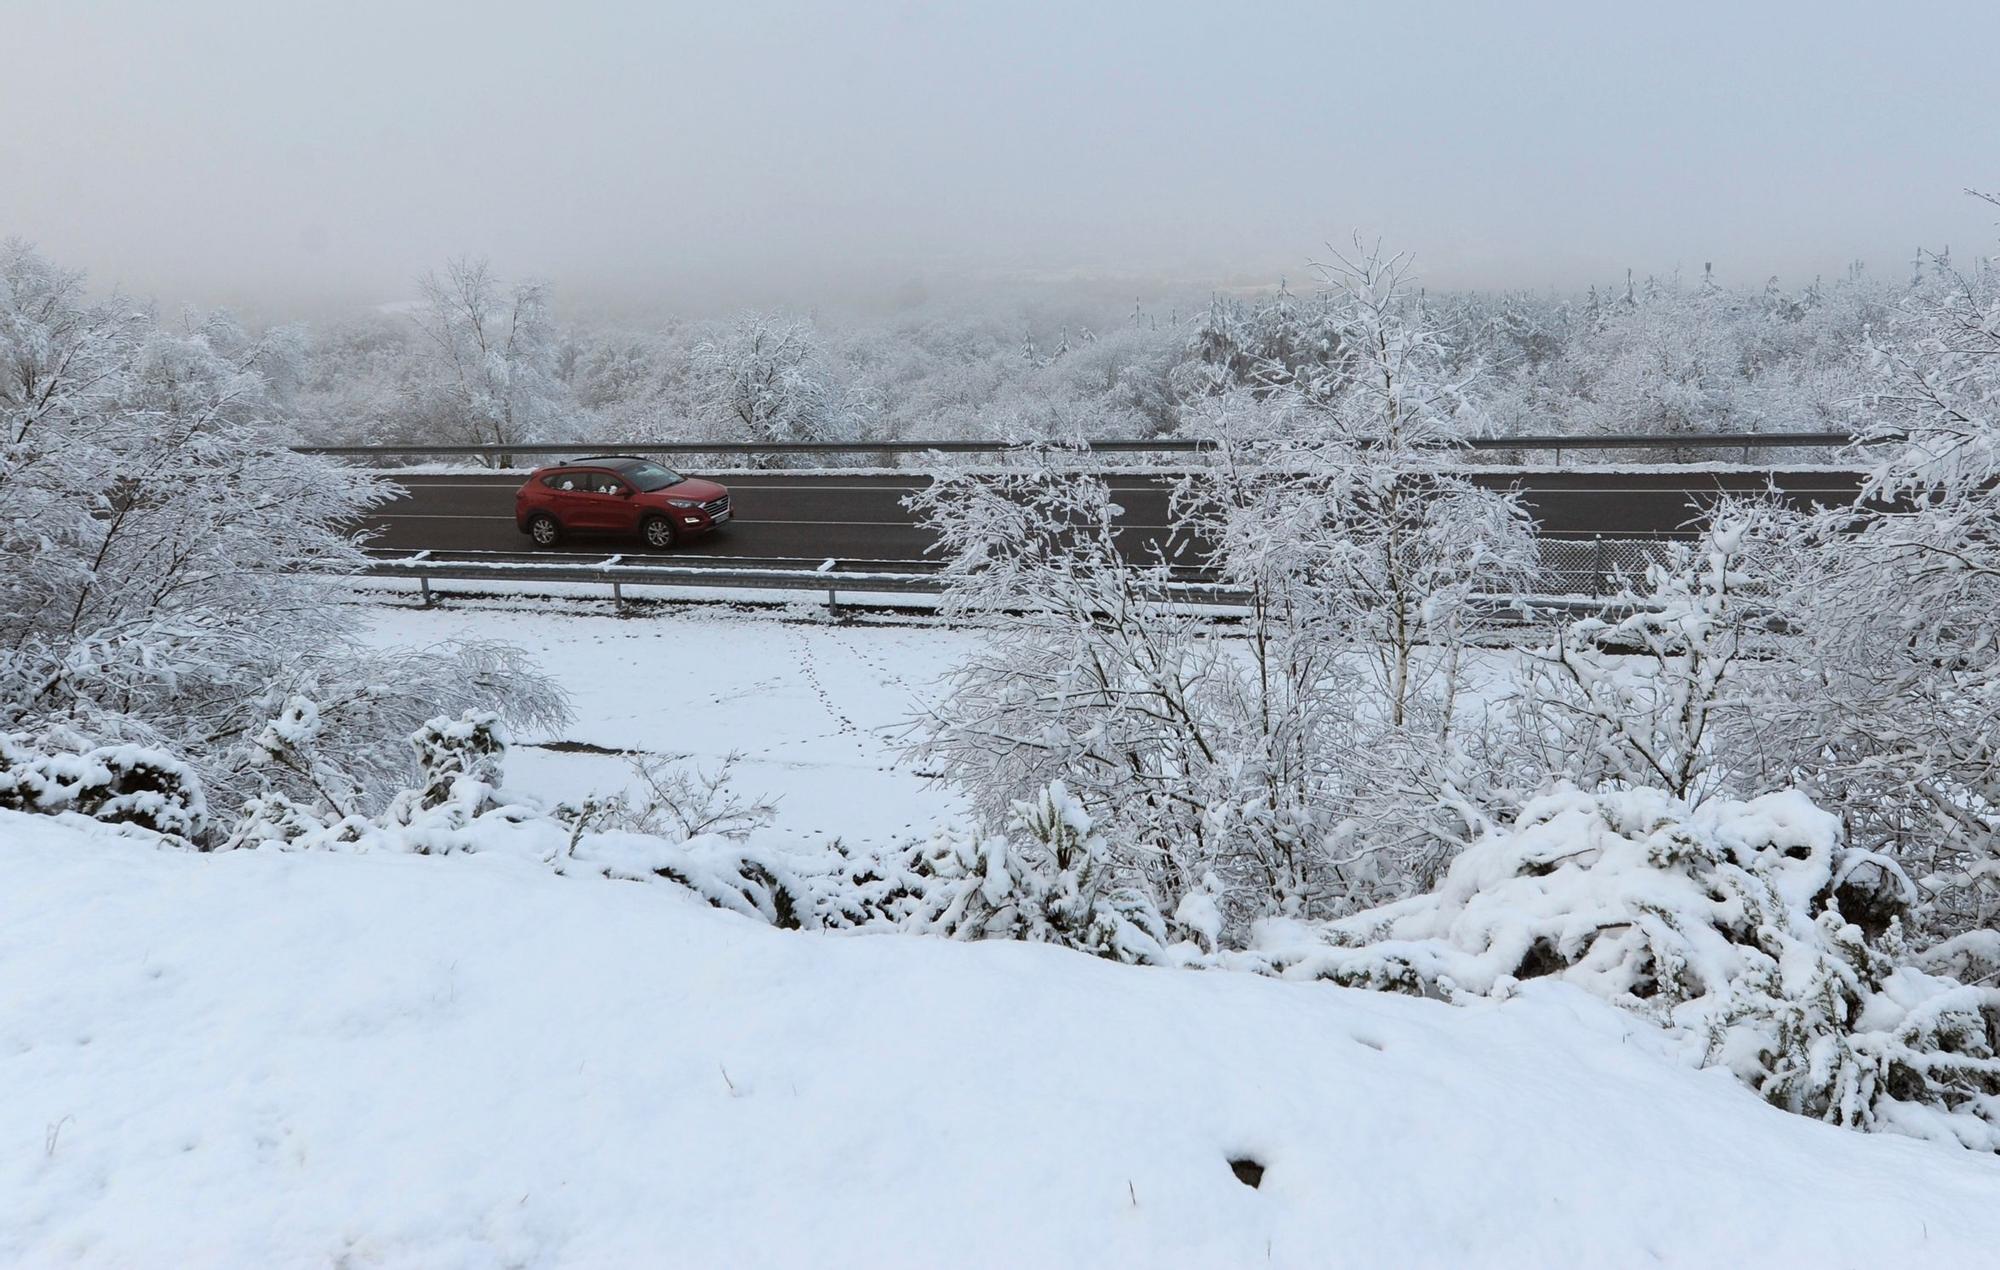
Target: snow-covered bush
pixel 458 806
pixel 458 792
pixel 678 799
pixel 460 760
pixel 118 784
pixel 291 740
pixel 1050 881
pixel 330 720
pixel 276 820
pixel 1747 927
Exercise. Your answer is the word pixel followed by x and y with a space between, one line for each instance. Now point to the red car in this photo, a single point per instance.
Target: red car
pixel 617 494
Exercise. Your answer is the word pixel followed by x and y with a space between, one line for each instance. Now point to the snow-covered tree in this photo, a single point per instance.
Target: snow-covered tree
pixel 1884 700
pixel 1348 521
pixel 490 349
pixel 766 379
pixel 171 563
pixel 1255 756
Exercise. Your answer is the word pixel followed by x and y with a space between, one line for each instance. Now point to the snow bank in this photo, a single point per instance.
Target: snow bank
pixel 1745 926
pixel 288 1059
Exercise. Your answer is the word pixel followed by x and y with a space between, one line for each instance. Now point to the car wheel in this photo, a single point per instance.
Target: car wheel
pixel 658 532
pixel 544 530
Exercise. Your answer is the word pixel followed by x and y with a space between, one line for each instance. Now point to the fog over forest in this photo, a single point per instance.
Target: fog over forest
pixel 697 160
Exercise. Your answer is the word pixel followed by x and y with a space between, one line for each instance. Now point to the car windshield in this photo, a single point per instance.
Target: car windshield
pixel 650 476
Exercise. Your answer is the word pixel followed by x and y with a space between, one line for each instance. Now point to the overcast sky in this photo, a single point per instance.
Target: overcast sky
pixel 698 157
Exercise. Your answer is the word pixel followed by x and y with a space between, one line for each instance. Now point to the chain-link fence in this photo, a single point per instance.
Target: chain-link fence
pixel 1593 566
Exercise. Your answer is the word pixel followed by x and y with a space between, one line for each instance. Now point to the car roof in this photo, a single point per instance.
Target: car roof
pixel 607 460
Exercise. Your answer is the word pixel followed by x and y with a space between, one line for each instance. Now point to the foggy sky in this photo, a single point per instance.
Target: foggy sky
pixel 703 157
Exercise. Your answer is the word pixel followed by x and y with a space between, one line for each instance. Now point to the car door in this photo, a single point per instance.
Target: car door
pixel 606 504
pixel 562 495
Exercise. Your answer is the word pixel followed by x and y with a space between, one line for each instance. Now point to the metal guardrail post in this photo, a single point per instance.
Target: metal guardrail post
pixel 425 583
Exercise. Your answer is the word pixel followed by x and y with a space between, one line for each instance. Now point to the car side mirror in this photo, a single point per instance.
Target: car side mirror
pixel 624 491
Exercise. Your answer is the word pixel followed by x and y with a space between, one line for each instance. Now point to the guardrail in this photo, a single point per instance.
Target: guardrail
pixel 426 567
pixel 1744 441
pixel 834 576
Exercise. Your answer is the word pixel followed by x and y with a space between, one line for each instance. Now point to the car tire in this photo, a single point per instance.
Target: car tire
pixel 544 530
pixel 658 532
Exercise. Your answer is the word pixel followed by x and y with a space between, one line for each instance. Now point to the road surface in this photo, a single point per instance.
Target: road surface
pixel 801 516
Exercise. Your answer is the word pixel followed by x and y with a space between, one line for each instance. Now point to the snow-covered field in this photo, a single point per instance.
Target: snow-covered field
pixel 265 1059
pixel 257 1058
pixel 814 710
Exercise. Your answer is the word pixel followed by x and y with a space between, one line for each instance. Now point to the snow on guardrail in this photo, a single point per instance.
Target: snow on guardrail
pixel 827 579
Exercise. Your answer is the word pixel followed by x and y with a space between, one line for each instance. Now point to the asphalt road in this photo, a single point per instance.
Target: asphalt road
pixel 797 516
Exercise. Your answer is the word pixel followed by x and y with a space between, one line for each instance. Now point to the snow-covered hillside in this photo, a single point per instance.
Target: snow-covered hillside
pixel 268 1059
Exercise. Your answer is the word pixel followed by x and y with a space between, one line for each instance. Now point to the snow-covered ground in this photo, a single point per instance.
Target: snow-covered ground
pixel 258 1058
pixel 266 1059
pixel 814 709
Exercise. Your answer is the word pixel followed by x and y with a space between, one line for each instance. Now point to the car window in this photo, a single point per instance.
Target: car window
pixel 605 483
pixel 651 476
pixel 564 480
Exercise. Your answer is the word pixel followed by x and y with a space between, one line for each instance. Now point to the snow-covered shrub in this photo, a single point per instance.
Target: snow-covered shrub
pixel 678 799
pixel 1050 881
pixel 771 886
pixel 458 806
pixel 291 740
pixel 456 801
pixel 1748 927
pixel 460 759
pixel 1634 699
pixel 278 821
pixel 118 784
pixel 330 722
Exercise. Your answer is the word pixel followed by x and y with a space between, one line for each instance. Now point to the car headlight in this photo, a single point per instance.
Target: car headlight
pixel 682 502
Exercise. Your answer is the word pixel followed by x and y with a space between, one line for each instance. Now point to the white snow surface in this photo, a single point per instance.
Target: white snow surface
pixel 816 710
pixel 271 1059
